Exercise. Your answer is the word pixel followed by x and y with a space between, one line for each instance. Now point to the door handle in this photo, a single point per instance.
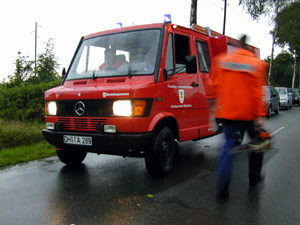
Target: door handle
pixel 194 84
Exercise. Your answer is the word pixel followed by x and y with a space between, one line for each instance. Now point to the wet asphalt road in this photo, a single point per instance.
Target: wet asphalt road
pixel 110 190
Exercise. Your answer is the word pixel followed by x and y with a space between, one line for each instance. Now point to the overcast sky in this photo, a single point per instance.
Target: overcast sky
pixel 65 21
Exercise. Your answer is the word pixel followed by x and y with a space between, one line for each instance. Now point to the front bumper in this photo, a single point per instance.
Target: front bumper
pixel 283 103
pixel 112 144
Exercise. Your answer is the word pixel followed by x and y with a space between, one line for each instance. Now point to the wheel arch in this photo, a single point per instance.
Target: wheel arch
pixel 164 119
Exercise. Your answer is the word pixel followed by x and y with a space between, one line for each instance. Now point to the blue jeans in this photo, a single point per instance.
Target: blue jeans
pixel 231 130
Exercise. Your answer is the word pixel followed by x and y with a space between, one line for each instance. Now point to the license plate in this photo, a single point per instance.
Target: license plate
pixel 78 140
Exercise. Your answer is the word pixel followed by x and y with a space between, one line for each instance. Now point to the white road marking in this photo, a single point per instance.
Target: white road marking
pixel 276 131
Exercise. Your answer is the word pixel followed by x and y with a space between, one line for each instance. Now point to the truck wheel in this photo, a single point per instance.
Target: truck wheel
pixel 160 156
pixel 70 157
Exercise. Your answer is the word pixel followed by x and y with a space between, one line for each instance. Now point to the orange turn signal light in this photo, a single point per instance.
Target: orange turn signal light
pixel 139 107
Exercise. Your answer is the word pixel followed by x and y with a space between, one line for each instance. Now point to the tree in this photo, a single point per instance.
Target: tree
pixel 288 32
pixel 282 69
pixel 22 73
pixel 193 18
pixel 257 8
pixel 47 65
pixel 45 70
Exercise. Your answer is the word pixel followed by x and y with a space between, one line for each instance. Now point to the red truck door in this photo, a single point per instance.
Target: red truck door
pixel 181 88
pixel 204 64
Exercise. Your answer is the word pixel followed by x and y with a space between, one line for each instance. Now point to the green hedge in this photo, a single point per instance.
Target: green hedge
pixel 24 103
pixel 14 133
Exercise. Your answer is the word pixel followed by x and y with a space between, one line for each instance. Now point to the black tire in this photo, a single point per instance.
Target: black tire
pixel 71 157
pixel 159 157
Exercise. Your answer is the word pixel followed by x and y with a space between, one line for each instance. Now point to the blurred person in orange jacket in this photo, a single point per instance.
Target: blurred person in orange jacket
pixel 237 84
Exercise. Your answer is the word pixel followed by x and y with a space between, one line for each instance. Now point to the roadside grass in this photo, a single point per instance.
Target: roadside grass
pixel 21 154
pixel 22 142
pixel 16 133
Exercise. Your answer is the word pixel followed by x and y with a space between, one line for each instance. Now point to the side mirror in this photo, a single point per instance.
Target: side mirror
pixel 63 73
pixel 191 64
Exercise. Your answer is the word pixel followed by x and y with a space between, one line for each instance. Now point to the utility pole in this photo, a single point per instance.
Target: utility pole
pixel 224 22
pixel 35 45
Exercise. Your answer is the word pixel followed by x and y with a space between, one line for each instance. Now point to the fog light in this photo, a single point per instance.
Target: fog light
pixel 110 128
pixel 59 126
pixel 50 126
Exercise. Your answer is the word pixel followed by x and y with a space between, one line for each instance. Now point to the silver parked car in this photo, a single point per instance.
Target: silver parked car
pixel 286 99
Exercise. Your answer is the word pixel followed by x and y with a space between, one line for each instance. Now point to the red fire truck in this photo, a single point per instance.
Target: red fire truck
pixel 133 91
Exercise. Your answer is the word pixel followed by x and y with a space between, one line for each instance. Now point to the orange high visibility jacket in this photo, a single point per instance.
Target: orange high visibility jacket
pixel 237 85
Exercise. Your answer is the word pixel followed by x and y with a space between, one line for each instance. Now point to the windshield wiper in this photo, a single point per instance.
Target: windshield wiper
pixel 131 71
pixel 94 75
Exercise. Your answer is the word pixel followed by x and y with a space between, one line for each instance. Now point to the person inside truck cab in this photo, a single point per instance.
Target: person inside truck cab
pixel 142 58
pixel 113 61
pixel 138 54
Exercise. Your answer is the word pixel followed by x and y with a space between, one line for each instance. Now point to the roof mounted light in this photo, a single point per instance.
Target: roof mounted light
pixel 167 18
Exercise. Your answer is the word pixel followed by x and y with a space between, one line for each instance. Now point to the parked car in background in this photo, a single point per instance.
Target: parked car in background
pixel 286 100
pixel 272 99
pixel 295 96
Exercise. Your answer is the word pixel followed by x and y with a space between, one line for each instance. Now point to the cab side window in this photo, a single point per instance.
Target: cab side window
pixel 170 56
pixel 203 56
pixel 182 49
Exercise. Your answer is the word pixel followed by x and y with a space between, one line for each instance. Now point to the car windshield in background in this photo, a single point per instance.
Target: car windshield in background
pixel 281 91
pixel 128 53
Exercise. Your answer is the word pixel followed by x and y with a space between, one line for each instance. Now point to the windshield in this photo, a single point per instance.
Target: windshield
pixel 281 91
pixel 129 53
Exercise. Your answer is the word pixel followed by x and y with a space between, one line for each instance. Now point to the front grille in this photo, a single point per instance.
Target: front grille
pixel 80 124
pixel 93 108
pixel 94 111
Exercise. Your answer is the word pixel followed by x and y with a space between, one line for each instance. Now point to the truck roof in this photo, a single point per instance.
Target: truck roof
pixel 195 28
pixel 124 29
pixel 206 31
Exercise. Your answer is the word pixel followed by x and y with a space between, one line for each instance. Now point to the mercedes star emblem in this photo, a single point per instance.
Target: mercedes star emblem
pixel 79 108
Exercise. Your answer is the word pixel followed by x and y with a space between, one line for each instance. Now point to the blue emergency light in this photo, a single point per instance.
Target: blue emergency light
pixel 167 18
pixel 119 25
